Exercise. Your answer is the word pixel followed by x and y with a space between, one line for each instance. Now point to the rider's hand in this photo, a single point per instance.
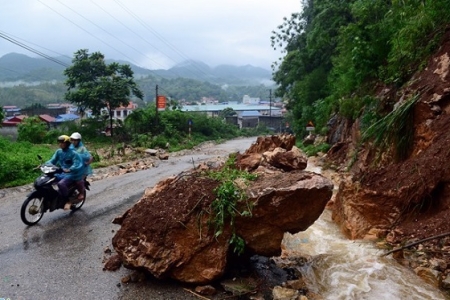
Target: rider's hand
pixel 66 170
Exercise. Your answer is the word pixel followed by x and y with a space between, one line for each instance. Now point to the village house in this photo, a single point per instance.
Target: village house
pixel 13 121
pixel 11 110
pixel 120 113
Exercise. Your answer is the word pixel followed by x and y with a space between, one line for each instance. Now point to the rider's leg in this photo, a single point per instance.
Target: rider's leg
pixel 63 186
pixel 81 189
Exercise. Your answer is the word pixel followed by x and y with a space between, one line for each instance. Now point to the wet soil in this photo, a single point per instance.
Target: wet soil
pixel 424 176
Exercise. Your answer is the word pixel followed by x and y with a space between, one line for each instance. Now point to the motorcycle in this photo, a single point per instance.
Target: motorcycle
pixel 45 196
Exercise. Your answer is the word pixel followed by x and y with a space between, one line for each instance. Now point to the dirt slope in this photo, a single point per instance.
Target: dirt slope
pixel 422 181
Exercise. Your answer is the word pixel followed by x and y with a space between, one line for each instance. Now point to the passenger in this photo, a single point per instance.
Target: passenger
pixel 87 158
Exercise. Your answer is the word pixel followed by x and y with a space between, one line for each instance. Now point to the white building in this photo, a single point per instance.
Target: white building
pixel 214 110
pixel 249 100
pixel 120 113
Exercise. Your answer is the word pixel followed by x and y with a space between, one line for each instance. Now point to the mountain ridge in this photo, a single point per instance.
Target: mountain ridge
pixel 20 67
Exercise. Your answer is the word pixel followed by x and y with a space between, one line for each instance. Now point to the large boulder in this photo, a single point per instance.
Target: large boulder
pixel 170 232
pixel 278 151
pixel 282 203
pixel 285 160
pixel 167 232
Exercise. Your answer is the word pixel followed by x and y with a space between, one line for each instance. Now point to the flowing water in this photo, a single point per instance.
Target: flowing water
pixel 339 268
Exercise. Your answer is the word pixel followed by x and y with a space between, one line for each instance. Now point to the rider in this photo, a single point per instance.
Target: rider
pixel 87 158
pixel 72 165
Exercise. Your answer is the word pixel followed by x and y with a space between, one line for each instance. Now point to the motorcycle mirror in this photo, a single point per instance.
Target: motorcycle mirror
pixel 39 157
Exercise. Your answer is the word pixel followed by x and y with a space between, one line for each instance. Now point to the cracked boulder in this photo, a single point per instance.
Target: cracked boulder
pixel 171 231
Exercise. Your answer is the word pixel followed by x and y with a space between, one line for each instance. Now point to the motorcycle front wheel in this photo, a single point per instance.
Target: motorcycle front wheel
pixel 32 209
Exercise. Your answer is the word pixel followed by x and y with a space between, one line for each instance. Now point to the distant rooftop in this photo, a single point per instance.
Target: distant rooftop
pixel 66 117
pixel 250 113
pixel 235 107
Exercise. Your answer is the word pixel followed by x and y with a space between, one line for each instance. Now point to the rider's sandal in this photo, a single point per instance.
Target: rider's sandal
pixel 67 206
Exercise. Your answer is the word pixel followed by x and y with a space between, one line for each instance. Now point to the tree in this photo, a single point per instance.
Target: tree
pixel 227 112
pixel 93 84
pixel 33 130
pixel 338 53
pixel 2 115
pixel 309 41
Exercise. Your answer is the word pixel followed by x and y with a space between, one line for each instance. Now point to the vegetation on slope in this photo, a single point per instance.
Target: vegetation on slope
pixel 338 52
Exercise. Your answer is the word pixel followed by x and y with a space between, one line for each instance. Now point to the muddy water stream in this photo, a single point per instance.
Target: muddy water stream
pixel 339 268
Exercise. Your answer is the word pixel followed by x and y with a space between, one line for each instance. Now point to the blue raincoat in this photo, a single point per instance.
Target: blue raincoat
pixel 85 156
pixel 68 159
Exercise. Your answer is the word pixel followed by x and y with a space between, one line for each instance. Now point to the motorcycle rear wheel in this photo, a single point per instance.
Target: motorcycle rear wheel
pixel 77 206
pixel 32 209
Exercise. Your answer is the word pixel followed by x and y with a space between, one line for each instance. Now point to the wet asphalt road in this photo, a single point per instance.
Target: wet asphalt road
pixel 62 256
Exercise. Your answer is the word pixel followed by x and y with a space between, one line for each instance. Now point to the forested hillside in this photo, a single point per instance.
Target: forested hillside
pixel 177 89
pixel 42 81
pixel 338 53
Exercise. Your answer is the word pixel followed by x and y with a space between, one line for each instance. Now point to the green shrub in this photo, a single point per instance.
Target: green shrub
pixel 32 129
pixel 312 150
pixel 18 161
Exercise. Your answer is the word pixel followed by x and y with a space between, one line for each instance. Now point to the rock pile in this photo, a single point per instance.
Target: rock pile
pixel 170 232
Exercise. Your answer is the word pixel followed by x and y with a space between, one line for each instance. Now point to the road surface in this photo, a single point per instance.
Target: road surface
pixel 62 256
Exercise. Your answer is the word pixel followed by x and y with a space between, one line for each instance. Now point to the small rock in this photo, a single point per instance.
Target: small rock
pixel 296 284
pixel 445 284
pixel 163 156
pixel 280 293
pixel 429 275
pixel 206 290
pixel 438 264
pixel 113 263
pixel 152 152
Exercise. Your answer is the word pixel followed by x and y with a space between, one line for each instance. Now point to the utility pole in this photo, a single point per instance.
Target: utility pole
pixel 270 102
pixel 270 108
pixel 156 106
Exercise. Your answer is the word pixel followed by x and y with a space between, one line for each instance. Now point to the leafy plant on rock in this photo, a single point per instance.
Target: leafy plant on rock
pixel 229 200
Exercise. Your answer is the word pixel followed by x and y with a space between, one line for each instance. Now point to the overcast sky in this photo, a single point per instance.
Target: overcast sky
pixel 155 34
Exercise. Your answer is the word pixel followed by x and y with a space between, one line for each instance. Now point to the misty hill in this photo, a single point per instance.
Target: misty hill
pixel 220 74
pixel 14 67
pixel 20 67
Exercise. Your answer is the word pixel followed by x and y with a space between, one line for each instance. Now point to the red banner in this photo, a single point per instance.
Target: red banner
pixel 161 102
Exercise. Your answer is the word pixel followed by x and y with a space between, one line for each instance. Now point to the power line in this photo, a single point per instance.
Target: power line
pixel 154 32
pixel 31 43
pixel 105 30
pixel 129 30
pixel 10 39
pixel 85 30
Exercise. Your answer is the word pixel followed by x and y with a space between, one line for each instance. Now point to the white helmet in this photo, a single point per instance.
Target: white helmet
pixel 75 136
